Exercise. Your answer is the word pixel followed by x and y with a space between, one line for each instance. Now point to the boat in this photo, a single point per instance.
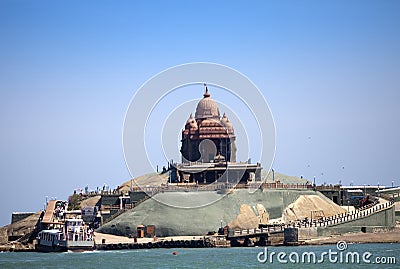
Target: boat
pixel 72 235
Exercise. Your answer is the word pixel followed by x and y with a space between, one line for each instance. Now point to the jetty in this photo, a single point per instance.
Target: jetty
pixel 112 242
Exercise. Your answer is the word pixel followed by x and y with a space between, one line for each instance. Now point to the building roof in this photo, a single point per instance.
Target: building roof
pixel 207 107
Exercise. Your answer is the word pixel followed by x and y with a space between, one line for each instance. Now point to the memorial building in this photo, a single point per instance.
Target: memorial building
pixel 208 149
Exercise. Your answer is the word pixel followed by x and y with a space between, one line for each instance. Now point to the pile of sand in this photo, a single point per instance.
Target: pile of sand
pixel 250 217
pixel 305 204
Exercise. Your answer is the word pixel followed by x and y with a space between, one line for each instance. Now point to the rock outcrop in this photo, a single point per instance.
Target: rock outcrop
pixel 250 217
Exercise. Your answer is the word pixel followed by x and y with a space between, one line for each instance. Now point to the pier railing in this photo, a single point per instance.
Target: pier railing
pixel 181 187
pixel 186 187
pixel 323 222
pixel 360 213
pixel 279 185
pixel 257 231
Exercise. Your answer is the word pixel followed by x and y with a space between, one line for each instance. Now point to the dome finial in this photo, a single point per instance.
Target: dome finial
pixel 206 94
pixel 207 107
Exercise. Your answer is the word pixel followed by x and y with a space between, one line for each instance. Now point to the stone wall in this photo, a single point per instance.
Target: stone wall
pixel 308 233
pixel 137 196
pixel 110 199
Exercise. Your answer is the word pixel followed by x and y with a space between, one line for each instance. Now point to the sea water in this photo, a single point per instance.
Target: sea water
pixel 213 258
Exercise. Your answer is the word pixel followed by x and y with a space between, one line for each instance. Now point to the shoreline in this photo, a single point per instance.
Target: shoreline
pixel 391 236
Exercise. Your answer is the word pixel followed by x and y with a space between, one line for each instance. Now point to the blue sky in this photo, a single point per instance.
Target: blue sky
pixel 68 70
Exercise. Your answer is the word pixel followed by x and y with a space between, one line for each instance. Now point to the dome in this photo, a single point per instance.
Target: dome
pixel 224 118
pixel 227 124
pixel 207 107
pixel 191 123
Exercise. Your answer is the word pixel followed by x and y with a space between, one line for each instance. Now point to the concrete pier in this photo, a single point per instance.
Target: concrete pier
pixel 113 242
